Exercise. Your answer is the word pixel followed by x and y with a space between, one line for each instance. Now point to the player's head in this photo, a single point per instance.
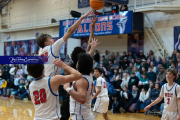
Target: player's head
pixel 84 64
pixel 44 40
pixel 97 72
pixel 171 74
pixel 35 70
pixel 75 53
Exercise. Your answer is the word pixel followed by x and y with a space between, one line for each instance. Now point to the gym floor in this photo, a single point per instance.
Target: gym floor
pixel 21 110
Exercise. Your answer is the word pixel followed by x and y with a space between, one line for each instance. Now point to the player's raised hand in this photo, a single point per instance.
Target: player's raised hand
pixel 147 108
pixel 93 20
pixel 93 43
pixel 87 14
pixel 59 63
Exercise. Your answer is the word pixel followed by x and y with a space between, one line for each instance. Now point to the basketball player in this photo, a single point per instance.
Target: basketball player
pixel 51 50
pixel 44 90
pixel 171 94
pixel 102 101
pixel 81 90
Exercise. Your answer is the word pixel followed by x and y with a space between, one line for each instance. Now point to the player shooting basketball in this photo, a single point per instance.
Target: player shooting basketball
pixel 51 50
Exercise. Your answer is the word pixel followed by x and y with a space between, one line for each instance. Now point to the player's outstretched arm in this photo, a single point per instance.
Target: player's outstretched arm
pixel 93 22
pixel 57 45
pixel 93 45
pixel 81 93
pixel 73 28
pixel 59 79
pixel 159 99
pixel 97 92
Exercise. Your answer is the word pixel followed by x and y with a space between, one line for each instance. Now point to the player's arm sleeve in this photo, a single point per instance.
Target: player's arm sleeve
pixel 162 92
pixel 55 48
pixel 99 82
pixel 178 91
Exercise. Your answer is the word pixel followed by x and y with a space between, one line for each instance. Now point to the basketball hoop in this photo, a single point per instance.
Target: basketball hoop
pixel 61 2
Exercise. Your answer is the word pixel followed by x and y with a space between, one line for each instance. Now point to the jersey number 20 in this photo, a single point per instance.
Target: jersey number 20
pixel 39 96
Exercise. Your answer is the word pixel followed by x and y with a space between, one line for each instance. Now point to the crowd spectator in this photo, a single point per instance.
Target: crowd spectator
pixel 68 59
pixel 125 80
pixel 19 71
pixel 148 62
pixel 118 57
pixel 134 80
pixel 158 67
pixel 104 69
pixel 124 64
pixel 133 61
pixel 151 75
pixel 141 55
pixel 6 72
pixel 97 57
pixel 130 68
pixel 25 69
pixel 25 94
pixel 161 77
pixel 95 64
pixel 153 95
pixel 169 62
pixel 122 57
pixel 164 63
pixel 143 71
pixel 177 79
pixel 3 87
pixel 135 96
pixel 125 98
pixel 16 82
pixel 153 67
pixel 174 55
pixel 173 66
pixel 10 86
pixel 144 64
pixel 150 54
pixel 130 56
pixel 107 55
pixel 21 88
pixel 151 86
pixel 153 59
pixel 109 66
pixel 138 63
pixel 144 95
pixel 137 72
pixel 144 81
pixel 116 83
pixel 12 73
pixel 1 67
pixel 105 62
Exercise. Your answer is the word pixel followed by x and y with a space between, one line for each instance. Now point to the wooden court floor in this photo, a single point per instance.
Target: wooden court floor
pixel 19 110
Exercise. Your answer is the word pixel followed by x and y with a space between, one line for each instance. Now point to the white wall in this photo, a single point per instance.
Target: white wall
pixel 71 44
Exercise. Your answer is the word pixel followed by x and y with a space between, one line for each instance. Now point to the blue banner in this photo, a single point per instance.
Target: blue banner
pixel 22 60
pixel 120 23
pixel 83 3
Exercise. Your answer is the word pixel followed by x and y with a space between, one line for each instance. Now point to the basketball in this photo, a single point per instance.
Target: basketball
pixel 97 4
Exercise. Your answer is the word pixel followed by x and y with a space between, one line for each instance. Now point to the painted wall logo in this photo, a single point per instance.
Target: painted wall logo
pixel 122 24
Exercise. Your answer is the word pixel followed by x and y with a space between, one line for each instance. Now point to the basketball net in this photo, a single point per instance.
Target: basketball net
pixel 61 2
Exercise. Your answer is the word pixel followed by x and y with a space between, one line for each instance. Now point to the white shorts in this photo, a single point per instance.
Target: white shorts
pixel 169 115
pixel 101 105
pixel 82 117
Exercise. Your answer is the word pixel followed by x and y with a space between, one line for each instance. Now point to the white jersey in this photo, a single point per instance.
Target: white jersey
pixel 171 95
pixel 101 82
pixel 8 50
pixel 82 109
pixel 51 53
pixel 45 100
